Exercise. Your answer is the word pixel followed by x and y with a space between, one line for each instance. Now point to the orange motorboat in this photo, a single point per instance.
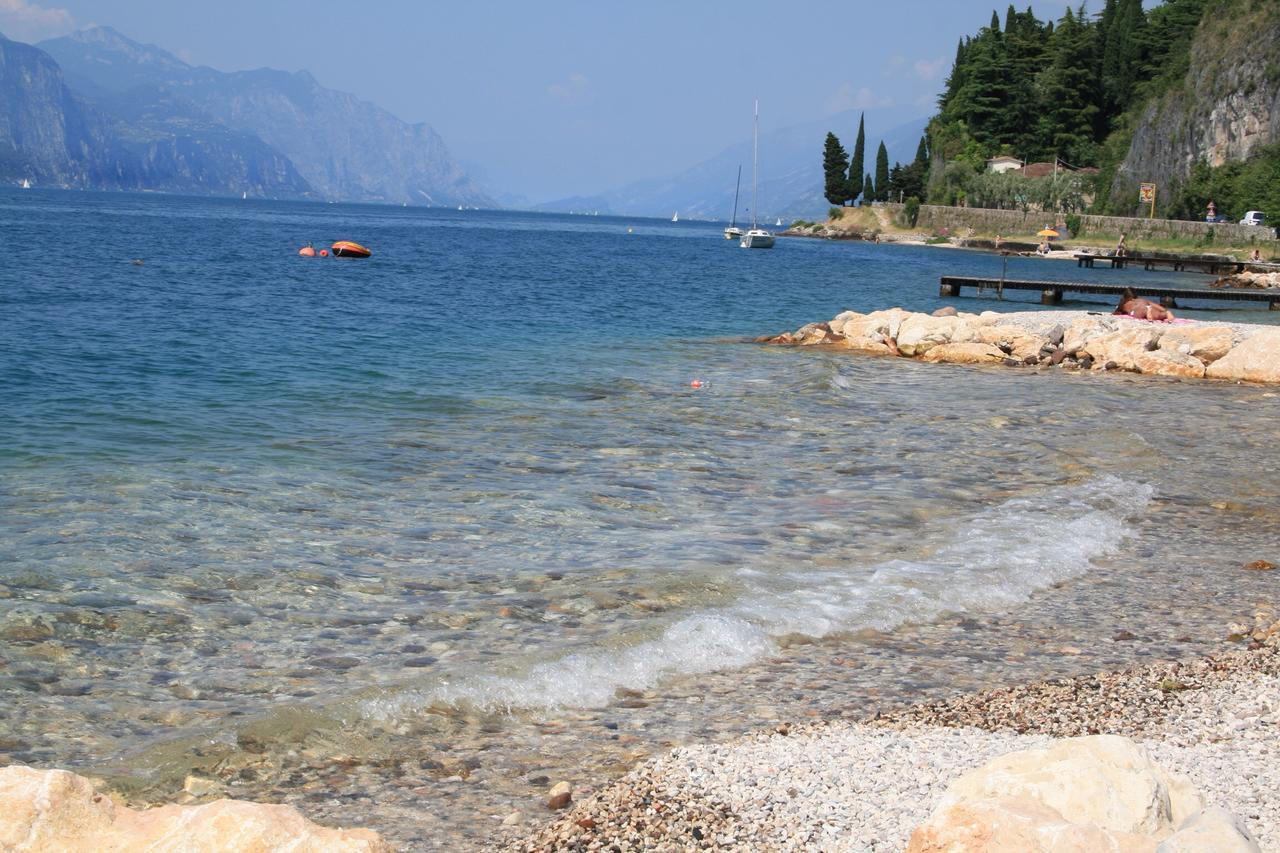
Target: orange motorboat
pixel 347 249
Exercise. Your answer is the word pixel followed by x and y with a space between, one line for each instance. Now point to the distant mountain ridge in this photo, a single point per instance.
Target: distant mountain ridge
pixel 791 177
pixel 108 112
pixel 54 137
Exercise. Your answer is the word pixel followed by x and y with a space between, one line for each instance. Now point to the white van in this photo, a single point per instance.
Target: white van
pixel 1252 217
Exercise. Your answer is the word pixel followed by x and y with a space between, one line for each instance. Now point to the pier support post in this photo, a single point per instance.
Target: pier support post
pixel 949 289
pixel 1273 305
pixel 1168 302
pixel 1052 296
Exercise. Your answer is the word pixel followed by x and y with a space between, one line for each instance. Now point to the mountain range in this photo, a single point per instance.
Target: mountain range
pixel 95 110
pixel 791 180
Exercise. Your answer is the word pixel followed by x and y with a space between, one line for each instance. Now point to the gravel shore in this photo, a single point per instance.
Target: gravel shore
pixel 864 786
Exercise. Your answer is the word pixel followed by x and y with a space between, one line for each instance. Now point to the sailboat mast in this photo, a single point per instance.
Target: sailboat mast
pixel 737 186
pixel 755 161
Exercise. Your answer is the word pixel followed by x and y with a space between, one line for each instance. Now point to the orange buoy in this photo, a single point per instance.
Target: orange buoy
pixel 697 383
pixel 348 249
pixel 324 253
pixel 307 252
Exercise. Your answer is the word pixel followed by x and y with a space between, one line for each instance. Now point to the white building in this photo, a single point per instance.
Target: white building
pixel 1003 163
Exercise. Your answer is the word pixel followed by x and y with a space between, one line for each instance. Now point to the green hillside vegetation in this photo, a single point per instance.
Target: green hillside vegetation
pixel 1064 91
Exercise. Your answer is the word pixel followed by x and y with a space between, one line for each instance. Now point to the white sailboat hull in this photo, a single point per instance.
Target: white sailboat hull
pixel 757 238
pixel 733 233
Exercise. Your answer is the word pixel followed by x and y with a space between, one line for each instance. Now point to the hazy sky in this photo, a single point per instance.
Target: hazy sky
pixel 553 98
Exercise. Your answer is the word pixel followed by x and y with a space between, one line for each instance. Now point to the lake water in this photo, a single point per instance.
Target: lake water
pixel 403 541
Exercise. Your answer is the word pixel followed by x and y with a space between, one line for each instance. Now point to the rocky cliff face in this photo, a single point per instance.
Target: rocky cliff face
pixel 343 147
pixel 1227 106
pixel 51 136
pixel 46 134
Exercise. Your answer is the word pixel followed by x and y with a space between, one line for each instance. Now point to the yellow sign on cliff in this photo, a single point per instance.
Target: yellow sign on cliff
pixel 1147 195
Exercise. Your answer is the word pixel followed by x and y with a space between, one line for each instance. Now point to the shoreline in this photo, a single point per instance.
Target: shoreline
pixel 1085 341
pixel 864 785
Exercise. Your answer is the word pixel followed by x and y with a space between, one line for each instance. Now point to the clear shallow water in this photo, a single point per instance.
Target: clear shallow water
pixel 262 516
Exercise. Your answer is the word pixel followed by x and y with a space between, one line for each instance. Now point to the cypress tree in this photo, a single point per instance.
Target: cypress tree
pixel 855 164
pixel 868 189
pixel 835 165
pixel 882 173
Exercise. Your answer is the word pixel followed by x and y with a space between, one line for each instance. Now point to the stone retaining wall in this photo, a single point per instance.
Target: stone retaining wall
pixel 935 218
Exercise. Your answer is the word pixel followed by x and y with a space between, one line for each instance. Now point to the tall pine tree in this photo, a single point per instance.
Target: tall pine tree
pixel 882 173
pixel 868 189
pixel 856 164
pixel 835 166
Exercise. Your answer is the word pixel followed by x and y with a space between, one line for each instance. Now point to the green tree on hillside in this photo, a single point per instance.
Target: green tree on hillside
pixel 835 167
pixel 868 189
pixel 1070 91
pixel 855 162
pixel 882 173
pixel 1120 37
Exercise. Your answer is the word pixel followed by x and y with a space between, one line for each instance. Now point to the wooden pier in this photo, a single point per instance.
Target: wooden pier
pixel 1051 291
pixel 1212 266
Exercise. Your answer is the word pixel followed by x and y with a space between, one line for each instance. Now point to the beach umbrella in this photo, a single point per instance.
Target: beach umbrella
pixel 1047 232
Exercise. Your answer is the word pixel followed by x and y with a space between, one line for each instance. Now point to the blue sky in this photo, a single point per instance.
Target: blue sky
pixel 553 98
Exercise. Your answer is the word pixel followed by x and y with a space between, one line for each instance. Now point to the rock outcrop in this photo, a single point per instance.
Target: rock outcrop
pixel 1226 107
pixel 1055 340
pixel 55 811
pixel 1082 794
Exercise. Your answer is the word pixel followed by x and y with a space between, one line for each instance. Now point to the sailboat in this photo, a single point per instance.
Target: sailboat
pixel 778 224
pixel 26 184
pixel 675 217
pixel 733 232
pixel 757 237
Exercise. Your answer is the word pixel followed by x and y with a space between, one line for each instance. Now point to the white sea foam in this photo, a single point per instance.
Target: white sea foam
pixel 991 561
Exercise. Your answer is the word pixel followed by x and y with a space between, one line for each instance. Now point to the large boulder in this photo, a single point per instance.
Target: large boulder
pixel 1255 359
pixel 1206 343
pixel 55 811
pixel 1102 780
pixel 1121 348
pixel 965 353
pixel 1080 332
pixel 921 332
pixel 1162 362
pixel 1017 342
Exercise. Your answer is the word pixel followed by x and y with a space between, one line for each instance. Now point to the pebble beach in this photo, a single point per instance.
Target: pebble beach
pixel 864 785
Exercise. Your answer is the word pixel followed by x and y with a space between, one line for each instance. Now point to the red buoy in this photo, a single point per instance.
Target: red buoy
pixel 324 253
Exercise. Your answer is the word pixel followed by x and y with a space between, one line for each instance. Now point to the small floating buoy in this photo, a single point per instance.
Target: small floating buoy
pixel 307 251
pixel 137 262
pixel 630 231
pixel 697 383
pixel 324 253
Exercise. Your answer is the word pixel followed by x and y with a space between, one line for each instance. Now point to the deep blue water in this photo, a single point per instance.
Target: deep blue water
pixel 224 338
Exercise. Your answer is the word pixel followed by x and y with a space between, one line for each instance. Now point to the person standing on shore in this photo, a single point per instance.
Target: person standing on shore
pixel 1121 248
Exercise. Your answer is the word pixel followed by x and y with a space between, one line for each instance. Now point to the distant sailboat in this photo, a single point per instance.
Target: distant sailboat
pixel 26 184
pixel 675 217
pixel 779 222
pixel 733 232
pixel 757 237
pixel 243 196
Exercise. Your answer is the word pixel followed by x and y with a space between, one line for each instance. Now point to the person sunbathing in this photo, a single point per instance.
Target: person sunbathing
pixel 1135 306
